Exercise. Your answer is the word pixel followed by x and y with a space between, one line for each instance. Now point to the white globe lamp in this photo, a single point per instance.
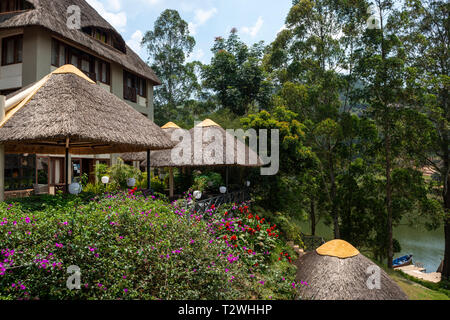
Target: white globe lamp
pixel 131 182
pixel 75 188
pixel 197 195
pixel 105 180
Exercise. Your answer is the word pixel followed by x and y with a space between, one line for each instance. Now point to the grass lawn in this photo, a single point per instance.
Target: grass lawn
pixel 416 291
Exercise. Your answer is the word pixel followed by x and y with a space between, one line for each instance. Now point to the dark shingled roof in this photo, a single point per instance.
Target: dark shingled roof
pixel 52 15
pixel 67 104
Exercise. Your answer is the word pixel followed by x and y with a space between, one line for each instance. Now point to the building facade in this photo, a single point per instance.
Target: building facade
pixel 36 39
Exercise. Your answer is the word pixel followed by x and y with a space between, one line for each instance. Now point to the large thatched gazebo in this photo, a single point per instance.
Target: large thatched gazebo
pixel 159 158
pixel 338 271
pixel 66 112
pixel 207 145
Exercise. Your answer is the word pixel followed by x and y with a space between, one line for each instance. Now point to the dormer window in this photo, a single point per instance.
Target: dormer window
pixel 107 37
pixel 98 34
pixel 13 5
pixel 101 36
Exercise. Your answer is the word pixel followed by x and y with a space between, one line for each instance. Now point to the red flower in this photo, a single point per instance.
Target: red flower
pixel 250 251
pixel 225 238
pixel 226 213
pixel 233 238
pixel 250 216
pixel 213 207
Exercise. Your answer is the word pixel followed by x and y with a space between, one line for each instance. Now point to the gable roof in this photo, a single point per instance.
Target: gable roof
pixel 66 104
pixel 52 15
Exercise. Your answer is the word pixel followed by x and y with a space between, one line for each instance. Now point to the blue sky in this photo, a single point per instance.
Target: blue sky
pixel 255 20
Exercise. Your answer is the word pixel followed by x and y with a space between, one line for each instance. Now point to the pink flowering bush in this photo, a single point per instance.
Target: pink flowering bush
pixel 127 246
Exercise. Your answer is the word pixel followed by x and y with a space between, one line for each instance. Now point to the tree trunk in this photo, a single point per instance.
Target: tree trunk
pixel 334 212
pixel 390 251
pixel 313 217
pixel 446 267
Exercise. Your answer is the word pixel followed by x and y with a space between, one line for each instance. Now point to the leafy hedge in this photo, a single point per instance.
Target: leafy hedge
pixel 130 247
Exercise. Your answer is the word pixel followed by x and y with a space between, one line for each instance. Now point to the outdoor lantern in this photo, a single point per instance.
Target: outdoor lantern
pixel 162 176
pixel 105 180
pixel 247 184
pixel 223 190
pixel 197 195
pixel 75 188
pixel 131 182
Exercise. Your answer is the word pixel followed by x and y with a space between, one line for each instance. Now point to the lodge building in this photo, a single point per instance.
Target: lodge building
pixel 35 40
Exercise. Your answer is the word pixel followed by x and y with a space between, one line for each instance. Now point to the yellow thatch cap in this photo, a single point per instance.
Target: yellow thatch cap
pixel 339 249
pixel 208 123
pixel 68 68
pixel 170 125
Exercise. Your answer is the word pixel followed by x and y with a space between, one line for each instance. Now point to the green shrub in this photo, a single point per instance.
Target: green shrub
pixel 129 248
pixel 120 173
pixel 101 170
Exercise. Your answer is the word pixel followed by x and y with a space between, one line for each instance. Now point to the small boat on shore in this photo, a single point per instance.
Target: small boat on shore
pixel 402 261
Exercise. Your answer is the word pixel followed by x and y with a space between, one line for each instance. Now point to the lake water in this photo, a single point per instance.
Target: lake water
pixel 427 247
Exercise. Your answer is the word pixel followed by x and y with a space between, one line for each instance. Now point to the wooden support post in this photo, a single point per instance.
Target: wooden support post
pixel 2 152
pixel 67 165
pixel 149 176
pixel 171 186
pixel 226 178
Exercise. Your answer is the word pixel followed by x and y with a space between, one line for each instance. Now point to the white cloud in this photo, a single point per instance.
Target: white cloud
pixel 253 31
pixel 114 5
pixel 118 19
pixel 135 42
pixel 200 18
pixel 197 55
pixel 152 2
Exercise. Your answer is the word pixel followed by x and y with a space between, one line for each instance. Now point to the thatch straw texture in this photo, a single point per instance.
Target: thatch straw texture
pixel 333 278
pixel 69 105
pixel 204 154
pixel 52 15
pixel 134 156
pixel 163 158
pixel 168 128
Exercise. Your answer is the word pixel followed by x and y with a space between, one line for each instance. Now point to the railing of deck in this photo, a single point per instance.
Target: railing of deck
pixel 202 206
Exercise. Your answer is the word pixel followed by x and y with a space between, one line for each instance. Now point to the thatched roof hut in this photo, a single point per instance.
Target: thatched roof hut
pixel 214 138
pixel 67 109
pixel 168 129
pixel 338 271
pixel 52 15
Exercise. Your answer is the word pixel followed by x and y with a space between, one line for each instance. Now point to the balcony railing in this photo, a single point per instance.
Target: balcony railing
pixel 130 94
pixel 238 197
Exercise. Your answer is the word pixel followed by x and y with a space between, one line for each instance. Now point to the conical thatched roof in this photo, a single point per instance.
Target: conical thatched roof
pixel 170 125
pixel 210 131
pixel 157 157
pixel 52 15
pixel 337 271
pixel 66 104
